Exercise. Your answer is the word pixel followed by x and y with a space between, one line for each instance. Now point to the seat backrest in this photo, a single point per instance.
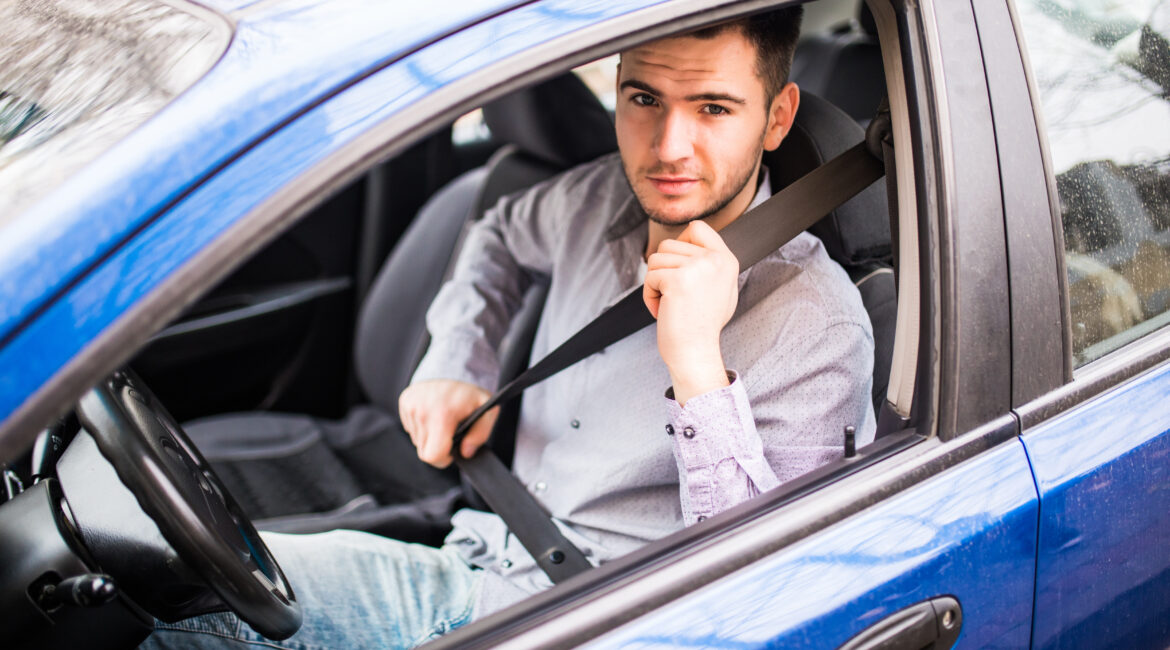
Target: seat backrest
pixel 844 66
pixel 856 234
pixel 544 129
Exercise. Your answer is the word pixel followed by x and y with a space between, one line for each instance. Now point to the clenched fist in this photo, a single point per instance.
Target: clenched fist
pixel 430 411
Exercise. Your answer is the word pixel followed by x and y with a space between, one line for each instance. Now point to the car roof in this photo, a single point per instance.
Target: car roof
pixel 284 56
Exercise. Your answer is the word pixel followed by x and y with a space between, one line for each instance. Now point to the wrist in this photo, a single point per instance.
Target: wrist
pixel 697 375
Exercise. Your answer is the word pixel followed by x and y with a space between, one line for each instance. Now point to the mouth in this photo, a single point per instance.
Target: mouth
pixel 673 185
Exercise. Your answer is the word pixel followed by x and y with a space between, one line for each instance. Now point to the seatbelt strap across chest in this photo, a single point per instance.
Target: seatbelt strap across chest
pixel 751 237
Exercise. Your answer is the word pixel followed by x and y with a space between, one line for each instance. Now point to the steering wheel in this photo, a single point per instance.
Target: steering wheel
pixel 177 488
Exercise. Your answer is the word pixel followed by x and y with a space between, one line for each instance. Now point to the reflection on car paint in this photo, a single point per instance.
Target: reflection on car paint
pixel 877 564
pixel 1103 472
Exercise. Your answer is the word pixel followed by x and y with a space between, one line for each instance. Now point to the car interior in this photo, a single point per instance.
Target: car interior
pixel 271 450
pixel 303 350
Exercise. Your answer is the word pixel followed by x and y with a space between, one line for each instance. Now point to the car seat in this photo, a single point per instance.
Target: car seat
pixel 844 66
pixel 857 234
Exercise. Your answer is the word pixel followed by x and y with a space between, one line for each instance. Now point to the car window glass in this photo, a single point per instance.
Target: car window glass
pixel 1102 69
pixel 75 77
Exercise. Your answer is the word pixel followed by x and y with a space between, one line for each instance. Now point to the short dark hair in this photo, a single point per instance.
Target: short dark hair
pixel 774 34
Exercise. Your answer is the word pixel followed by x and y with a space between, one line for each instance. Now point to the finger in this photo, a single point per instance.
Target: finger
pixel 404 411
pixel 652 297
pixel 434 445
pixel 656 285
pixel 676 247
pixel 410 425
pixel 700 234
pixel 479 433
pixel 666 260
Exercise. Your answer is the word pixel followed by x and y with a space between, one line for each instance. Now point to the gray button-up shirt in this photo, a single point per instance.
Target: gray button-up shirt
pixel 614 461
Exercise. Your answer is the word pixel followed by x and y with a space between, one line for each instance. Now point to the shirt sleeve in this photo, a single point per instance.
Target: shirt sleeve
pixel 806 391
pixel 470 315
pixel 719 453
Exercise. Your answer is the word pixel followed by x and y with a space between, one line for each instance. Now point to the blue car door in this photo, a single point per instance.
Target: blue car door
pixel 949 560
pixel 1099 445
pixel 1103 571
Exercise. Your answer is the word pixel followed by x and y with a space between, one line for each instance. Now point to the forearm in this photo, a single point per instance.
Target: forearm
pixel 474 308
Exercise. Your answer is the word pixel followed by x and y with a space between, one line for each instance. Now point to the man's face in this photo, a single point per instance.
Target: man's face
pixel 692 120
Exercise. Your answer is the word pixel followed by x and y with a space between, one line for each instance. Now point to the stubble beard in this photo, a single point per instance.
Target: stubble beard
pixel 739 181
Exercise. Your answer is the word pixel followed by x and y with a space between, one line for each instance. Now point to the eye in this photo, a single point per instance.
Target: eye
pixel 715 109
pixel 642 99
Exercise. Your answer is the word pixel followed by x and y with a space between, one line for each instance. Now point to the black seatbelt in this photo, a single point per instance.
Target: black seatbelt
pixel 751 237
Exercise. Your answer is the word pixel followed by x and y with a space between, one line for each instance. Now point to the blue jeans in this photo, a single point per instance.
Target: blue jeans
pixel 356 591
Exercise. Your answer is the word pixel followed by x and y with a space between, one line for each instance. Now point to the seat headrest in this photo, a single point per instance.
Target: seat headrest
pixel 559 121
pixel 858 231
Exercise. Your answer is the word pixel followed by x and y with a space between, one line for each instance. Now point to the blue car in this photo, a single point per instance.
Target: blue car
pixel 230 216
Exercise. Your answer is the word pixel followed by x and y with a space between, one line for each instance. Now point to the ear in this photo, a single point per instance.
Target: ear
pixel 781 114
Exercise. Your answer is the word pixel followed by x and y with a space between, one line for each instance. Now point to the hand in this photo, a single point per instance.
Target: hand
pixel 692 289
pixel 430 411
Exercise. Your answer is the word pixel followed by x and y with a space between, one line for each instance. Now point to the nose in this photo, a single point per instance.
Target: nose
pixel 674 139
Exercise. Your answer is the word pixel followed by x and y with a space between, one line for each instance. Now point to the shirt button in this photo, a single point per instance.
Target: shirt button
pixel 540 486
pixel 576 424
pixel 670 429
pixel 689 432
pixel 507 564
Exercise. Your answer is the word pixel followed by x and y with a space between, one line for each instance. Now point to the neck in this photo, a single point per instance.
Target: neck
pixel 718 221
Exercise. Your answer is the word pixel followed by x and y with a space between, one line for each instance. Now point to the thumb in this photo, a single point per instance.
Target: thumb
pixel 479 433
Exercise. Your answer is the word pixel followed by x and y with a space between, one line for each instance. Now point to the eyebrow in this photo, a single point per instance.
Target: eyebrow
pixel 700 97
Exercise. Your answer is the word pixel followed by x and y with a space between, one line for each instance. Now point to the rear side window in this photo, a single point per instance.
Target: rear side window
pixel 1102 70
pixel 78 75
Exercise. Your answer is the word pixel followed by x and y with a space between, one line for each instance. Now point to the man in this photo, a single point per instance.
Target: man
pixel 764 367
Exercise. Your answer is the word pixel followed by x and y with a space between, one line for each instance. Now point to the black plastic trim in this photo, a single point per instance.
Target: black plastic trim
pixel 1053 196
pixel 976 342
pixel 1037 355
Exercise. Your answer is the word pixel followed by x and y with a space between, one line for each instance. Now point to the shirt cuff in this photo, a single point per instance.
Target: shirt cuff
pixel 693 426
pixel 715 440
